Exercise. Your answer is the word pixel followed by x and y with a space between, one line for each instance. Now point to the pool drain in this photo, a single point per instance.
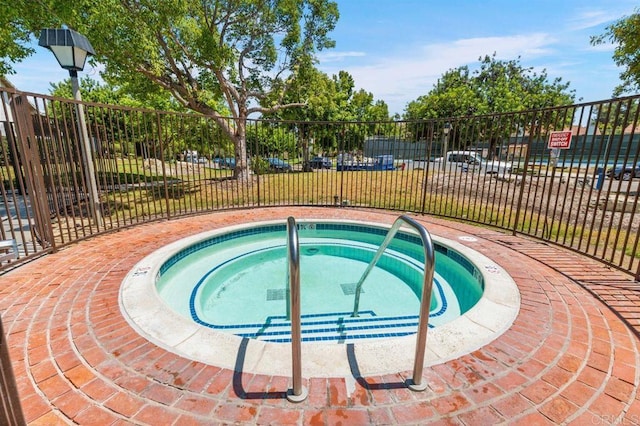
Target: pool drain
pixel 349 289
pixel 275 294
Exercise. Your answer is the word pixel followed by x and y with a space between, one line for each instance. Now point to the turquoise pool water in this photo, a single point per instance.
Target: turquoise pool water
pixel 236 282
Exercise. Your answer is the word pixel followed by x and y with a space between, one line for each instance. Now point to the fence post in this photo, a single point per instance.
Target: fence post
pixel 524 174
pixel 32 165
pixel 164 167
pixel 10 409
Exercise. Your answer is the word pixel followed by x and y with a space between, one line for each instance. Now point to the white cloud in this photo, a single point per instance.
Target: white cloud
pixel 333 56
pixel 586 19
pixel 403 76
pixel 590 18
pixel 606 47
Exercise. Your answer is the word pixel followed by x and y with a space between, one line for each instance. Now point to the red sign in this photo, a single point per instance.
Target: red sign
pixel 560 140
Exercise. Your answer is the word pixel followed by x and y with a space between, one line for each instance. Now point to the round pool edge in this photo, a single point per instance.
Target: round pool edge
pixel 145 311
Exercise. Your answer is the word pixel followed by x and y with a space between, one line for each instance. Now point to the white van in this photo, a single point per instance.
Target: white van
pixel 472 160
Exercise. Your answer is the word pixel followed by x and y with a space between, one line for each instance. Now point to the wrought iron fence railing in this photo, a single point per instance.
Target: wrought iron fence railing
pixel 151 165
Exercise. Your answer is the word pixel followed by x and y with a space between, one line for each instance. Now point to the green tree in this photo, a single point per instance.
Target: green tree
pixel 15 34
pixel 203 51
pixel 625 34
pixel 318 92
pixel 14 42
pixel 217 57
pixel 497 86
pixel 106 93
pixel 333 99
pixel 22 20
pixel 115 130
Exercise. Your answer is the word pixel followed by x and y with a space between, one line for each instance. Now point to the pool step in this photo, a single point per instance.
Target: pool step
pixel 338 327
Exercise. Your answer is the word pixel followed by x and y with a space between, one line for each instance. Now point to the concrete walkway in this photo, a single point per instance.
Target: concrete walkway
pixel 571 356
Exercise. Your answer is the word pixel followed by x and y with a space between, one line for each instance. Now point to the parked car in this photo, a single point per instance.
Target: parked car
pixel 225 163
pixel 348 162
pixel 384 162
pixel 471 160
pixel 626 172
pixel 193 157
pixel 278 165
pixel 320 163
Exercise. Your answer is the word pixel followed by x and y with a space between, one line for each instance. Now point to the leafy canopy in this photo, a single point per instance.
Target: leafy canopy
pixel 217 57
pixel 20 20
pixel 105 93
pixel 625 34
pixel 332 99
pixel 496 86
pixel 203 51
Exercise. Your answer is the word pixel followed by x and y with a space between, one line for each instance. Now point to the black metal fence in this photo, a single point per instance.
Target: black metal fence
pixel 140 165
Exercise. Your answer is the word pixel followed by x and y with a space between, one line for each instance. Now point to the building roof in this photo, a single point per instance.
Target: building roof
pixel 4 82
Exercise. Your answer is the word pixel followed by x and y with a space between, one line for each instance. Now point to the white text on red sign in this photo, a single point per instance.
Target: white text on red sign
pixel 560 140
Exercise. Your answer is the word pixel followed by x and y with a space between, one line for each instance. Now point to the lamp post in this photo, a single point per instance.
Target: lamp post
pixel 445 132
pixel 71 49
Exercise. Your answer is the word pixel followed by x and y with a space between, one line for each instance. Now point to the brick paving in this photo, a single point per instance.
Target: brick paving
pixel 570 357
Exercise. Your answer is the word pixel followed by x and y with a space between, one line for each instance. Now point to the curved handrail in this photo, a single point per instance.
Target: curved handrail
pixel 298 393
pixel 423 323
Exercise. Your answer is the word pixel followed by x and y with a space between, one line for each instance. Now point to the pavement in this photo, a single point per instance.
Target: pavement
pixel 570 357
pixel 16 218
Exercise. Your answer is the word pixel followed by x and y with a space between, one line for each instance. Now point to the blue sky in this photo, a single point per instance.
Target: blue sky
pixel 397 49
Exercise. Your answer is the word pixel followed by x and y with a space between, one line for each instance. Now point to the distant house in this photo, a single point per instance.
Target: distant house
pixel 5 105
pixel 6 83
pixel 6 114
pixel 581 130
pixel 631 129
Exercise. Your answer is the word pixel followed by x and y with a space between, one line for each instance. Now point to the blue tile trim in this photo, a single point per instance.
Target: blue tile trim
pixel 219 239
pixel 454 255
pixel 344 318
pixel 463 261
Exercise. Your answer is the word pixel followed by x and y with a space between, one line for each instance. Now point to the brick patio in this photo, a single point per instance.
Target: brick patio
pixel 571 356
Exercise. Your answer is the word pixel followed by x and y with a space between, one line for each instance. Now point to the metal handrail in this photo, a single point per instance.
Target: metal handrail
pixel 298 393
pixel 429 264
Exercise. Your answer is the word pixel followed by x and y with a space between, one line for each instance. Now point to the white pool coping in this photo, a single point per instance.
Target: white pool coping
pixel 149 315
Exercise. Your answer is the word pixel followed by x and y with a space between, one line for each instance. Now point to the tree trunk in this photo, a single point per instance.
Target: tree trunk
pixel 242 172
